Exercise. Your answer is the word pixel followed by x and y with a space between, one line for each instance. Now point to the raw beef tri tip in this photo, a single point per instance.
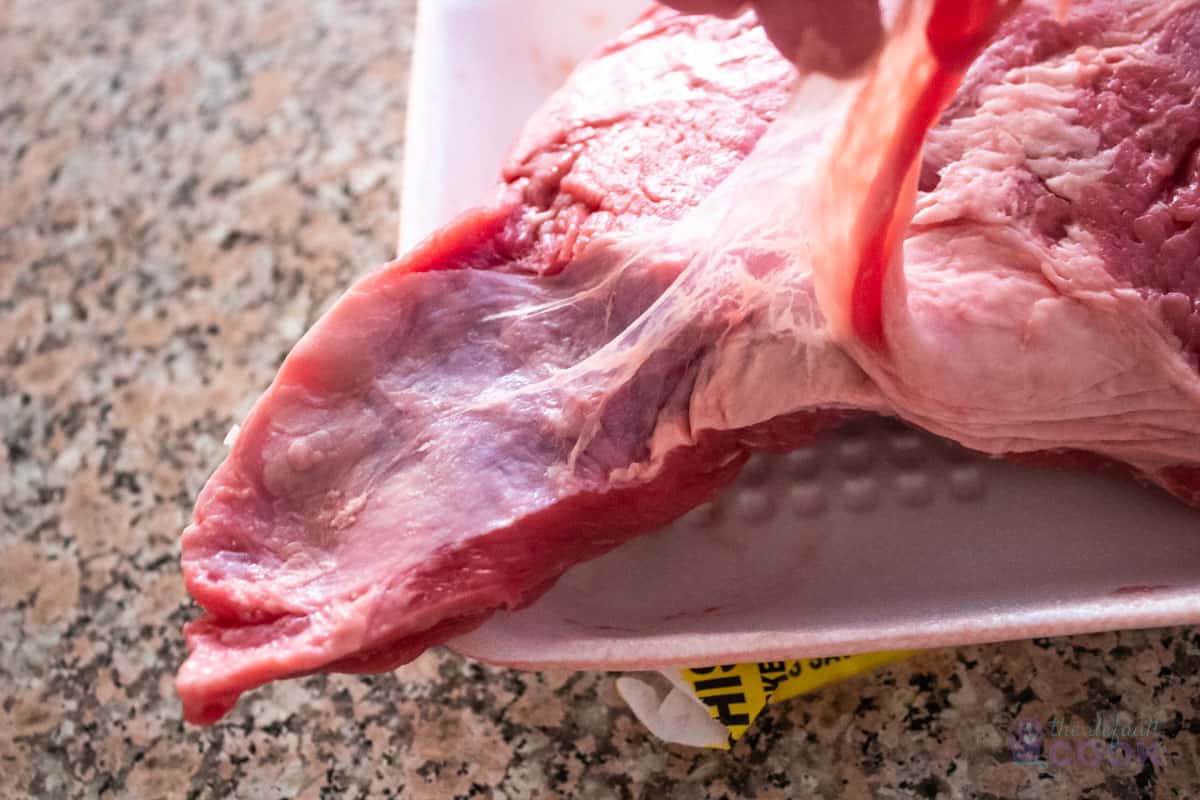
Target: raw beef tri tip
pixel 684 265
pixel 416 464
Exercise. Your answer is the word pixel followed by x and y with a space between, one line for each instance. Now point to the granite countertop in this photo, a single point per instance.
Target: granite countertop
pixel 183 187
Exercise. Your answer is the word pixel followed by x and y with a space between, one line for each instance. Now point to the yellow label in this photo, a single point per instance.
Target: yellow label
pixel 737 693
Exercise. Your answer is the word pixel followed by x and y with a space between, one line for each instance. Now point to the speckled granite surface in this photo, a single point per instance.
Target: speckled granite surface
pixel 183 186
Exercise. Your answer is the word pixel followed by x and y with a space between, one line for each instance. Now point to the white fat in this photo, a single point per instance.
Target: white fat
pixel 997 340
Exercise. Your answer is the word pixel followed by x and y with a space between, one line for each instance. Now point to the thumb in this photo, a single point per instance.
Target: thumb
pixel 834 36
pixel 722 8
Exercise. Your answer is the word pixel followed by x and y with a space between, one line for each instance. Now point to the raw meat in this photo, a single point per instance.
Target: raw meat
pixel 417 462
pixel 1047 296
pixel 564 369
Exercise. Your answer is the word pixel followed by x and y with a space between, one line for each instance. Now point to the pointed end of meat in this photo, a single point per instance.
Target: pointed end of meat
pixel 243 563
pixel 204 682
pixel 228 658
pixel 266 552
pixel 252 560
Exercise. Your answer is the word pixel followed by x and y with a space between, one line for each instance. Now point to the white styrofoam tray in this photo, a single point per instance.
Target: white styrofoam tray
pixel 875 538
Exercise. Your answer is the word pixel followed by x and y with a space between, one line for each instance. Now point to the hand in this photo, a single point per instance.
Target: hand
pixel 834 36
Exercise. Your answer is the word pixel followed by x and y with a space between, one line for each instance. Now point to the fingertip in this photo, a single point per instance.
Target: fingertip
pixel 720 8
pixel 836 38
